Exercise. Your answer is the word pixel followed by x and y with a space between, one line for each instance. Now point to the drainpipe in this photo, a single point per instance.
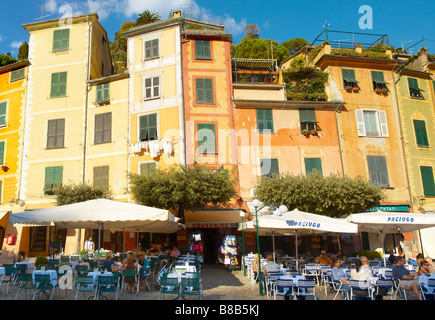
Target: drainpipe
pixel 183 116
pixel 339 141
pixel 86 103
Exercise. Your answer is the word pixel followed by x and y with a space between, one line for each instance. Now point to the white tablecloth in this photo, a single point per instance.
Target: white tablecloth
pixel 423 279
pixel 381 271
pixel 188 268
pixel 74 264
pixel 51 273
pixel 2 271
pixel 295 278
pixel 95 275
pixel 30 265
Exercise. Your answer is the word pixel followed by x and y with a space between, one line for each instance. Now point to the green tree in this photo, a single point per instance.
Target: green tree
pixel 118 47
pixel 147 17
pixel 252 32
pixel 261 49
pixel 181 188
pixel 331 196
pixel 6 59
pixel 23 51
pixel 73 193
pixel 294 45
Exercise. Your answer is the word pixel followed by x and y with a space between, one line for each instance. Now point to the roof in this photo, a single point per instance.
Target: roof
pixel 254 64
pixel 285 104
pixel 14 65
pixel 56 22
pixel 113 77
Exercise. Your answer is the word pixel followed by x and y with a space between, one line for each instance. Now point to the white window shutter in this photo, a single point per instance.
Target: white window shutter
pixel 383 123
pixel 359 115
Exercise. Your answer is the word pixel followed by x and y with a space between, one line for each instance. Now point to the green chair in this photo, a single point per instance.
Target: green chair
pixel 106 284
pixel 8 277
pixel 82 269
pixel 168 286
pixel 85 284
pixel 64 260
pixel 52 263
pixel 191 287
pixel 43 285
pixel 24 282
pixel 133 274
pixel 93 264
pixel 75 258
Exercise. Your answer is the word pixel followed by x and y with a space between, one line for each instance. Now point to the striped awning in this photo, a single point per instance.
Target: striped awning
pixel 255 64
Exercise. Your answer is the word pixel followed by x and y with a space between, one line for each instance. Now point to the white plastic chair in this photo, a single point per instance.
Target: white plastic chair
pixel 306 288
pixel 361 289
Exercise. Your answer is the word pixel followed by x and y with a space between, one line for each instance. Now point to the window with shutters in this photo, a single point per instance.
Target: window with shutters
pixel 378 80
pixel 58 84
pixel 414 90
pixel 264 120
pixel 151 88
pixel 148 127
pixel 349 79
pixel 421 133
pixel 269 167
pixel 103 128
pixel 101 177
pixel 204 91
pixel 103 93
pixel 371 123
pixel 147 167
pixel 307 118
pixel 151 49
pixel 60 40
pixel 3 113
pixel 2 152
pixel 53 178
pixel 433 85
pixel 56 133
pixel 313 164
pixel 17 74
pixel 428 181
pixel 378 172
pixel 206 137
pixel 202 49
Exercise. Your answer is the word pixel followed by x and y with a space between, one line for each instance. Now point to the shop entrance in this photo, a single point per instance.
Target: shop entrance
pixel 211 241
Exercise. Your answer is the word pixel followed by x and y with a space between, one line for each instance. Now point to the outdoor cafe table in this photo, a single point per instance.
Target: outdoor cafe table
pixel 51 273
pixel 74 264
pixel 96 274
pixel 187 268
pixel 179 277
pixel 2 271
pixel 30 265
pixel 423 279
pixel 294 278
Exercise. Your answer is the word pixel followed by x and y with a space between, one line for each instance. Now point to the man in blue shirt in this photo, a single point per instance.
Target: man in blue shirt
pixel 408 279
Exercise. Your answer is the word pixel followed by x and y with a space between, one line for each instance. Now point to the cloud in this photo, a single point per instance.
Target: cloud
pixel 16 44
pixel 232 26
pixel 2 38
pixel 50 6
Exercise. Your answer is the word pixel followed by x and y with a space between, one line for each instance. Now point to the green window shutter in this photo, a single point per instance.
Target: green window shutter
pixel 17 74
pixel 61 40
pixel 204 90
pixel 2 152
pixel 206 138
pixel 421 133
pixel 103 92
pixel 312 164
pixel 378 173
pixel 148 127
pixel 53 178
pixel 58 84
pixel 428 181
pixel 414 90
pixel 101 177
pixel 433 85
pixel 269 167
pixel 349 77
pixel 202 49
pixel 3 110
pixel 151 49
pixel 103 128
pixel 56 133
pixel 147 167
pixel 264 120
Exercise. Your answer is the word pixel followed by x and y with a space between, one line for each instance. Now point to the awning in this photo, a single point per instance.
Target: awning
pixel 213 218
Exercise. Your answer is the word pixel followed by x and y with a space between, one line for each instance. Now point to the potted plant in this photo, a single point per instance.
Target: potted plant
pixel 385 91
pixel 378 91
pixel 355 89
pixel 40 261
pixel 314 132
pixel 5 168
pixel 348 89
pixel 305 132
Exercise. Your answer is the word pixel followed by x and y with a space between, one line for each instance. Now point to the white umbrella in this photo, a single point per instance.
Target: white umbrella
pixel 390 222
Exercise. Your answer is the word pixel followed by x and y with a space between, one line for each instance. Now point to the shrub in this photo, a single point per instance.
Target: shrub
pixel 40 261
pixel 371 255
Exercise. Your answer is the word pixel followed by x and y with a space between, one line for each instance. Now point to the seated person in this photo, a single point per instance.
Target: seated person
pixel 323 259
pixel 407 278
pixel 392 257
pixel 430 264
pixel 175 253
pixel 338 274
pixel 270 265
pixel 21 257
pixel 144 263
pixel 365 264
pixel 109 264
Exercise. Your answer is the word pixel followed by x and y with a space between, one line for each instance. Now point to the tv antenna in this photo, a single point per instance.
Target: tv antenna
pixel 326 24
pixel 42 14
pixel 403 49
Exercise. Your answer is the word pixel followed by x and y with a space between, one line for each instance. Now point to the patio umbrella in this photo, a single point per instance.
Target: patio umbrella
pixel 382 222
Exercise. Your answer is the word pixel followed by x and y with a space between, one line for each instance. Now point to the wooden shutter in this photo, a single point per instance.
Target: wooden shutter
pixel 378 172
pixel 53 178
pixel 269 167
pixel 55 133
pixel 2 152
pixel 383 172
pixel 3 110
pixel 427 180
pixel 312 164
pixel 264 120
pixel 65 39
pixel 421 133
pixel 61 40
pixel 17 74
pixel 204 90
pixel 147 167
pixel 148 127
pixel 103 128
pixel 58 84
pixel 359 116
pixel 57 36
pixel 383 123
pixel 206 138
pixel 101 177
pixel 103 92
pixel 202 49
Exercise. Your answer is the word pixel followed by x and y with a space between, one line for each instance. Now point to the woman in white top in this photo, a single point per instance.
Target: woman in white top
pixel 359 273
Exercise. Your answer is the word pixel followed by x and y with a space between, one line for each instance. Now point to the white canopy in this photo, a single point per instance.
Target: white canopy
pixel 109 214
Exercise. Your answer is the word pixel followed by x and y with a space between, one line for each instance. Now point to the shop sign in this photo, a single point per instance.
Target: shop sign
pixel 402 208
pixel 303 224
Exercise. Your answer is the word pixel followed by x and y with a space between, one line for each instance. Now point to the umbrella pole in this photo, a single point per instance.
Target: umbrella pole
pixel 273 244
pixel 99 244
pixel 296 245
pixel 123 240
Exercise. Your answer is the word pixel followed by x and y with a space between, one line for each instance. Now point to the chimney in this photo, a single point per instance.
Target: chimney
pixel 176 14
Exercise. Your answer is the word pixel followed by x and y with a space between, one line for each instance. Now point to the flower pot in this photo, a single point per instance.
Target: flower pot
pixel 378 91
pixel 385 91
pixel 355 89
pixel 5 168
pixel 348 89
pixel 314 132
pixel 305 132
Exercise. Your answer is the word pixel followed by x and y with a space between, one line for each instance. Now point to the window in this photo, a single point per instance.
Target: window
pixel 103 92
pixel 103 128
pixel 17 74
pixel 3 110
pixel 53 178
pixel 414 90
pixel 378 170
pixel 152 88
pixel 151 49
pixel 56 133
pixel 148 127
pixel 420 133
pixel 2 152
pixel 61 40
pixel 202 49
pixel 269 167
pixel 307 117
pixel 428 181
pixel 371 123
pixel 378 80
pixel 264 121
pixel 147 167
pixel 312 164
pixel 349 79
pixel 204 91
pixel 58 84
pixel 206 138
pixel 101 177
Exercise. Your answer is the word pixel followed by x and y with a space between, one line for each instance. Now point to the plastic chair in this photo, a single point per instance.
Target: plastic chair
pixel 271 279
pixel 361 289
pixel 191 286
pixel 85 284
pixel 283 287
pixel 24 282
pixel 64 260
pixel 429 289
pixel 387 285
pixel 106 284
pixel 168 286
pixel 43 285
pixel 82 269
pixel 131 273
pixel 398 289
pixel 310 271
pixel 8 277
pixel 306 288
pixel 339 287
pixel 52 263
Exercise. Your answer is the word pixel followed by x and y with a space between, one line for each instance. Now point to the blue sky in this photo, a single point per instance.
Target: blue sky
pixel 405 22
